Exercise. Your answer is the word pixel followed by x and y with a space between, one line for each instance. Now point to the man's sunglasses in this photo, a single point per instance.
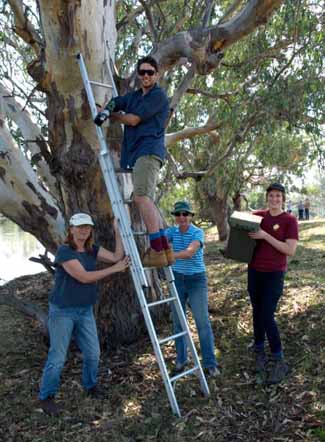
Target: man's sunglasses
pixel 143 72
pixel 181 213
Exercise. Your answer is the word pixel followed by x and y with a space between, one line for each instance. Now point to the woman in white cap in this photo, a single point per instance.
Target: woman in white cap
pixel 71 305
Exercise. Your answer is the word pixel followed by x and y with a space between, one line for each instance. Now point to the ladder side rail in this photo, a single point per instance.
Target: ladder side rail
pixel 128 241
pixel 115 93
pixel 111 180
pixel 160 360
pixel 181 316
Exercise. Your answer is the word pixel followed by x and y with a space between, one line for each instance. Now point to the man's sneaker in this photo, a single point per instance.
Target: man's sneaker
pixel 179 368
pixel 213 372
pixel 152 258
pixel 96 392
pixel 278 372
pixel 170 256
pixel 260 361
pixel 49 406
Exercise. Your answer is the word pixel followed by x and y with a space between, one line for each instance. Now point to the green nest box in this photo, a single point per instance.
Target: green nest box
pixel 240 246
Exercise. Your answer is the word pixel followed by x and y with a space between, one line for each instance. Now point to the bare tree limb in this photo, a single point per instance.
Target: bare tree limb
pixel 23 26
pixel 190 132
pixel 151 22
pixel 7 297
pixel 232 8
pixel 225 96
pixel 203 45
pixel 238 137
pixel 35 142
pixel 207 13
pixel 129 17
pixel 182 88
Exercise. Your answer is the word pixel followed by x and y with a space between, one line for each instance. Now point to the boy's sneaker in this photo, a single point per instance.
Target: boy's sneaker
pixel 49 406
pixel 96 392
pixel 152 258
pixel 178 368
pixel 278 372
pixel 213 372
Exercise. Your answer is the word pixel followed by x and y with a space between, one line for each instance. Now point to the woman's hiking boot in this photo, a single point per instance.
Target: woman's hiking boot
pixel 278 372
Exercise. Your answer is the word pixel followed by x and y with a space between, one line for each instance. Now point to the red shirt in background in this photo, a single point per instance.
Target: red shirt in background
pixel 282 227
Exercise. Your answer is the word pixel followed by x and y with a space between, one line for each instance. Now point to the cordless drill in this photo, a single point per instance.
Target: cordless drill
pixel 105 113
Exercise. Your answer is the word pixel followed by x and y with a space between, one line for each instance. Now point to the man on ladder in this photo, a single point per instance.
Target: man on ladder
pixel 145 112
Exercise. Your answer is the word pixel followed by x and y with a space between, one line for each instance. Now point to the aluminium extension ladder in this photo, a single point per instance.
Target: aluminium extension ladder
pixel 137 270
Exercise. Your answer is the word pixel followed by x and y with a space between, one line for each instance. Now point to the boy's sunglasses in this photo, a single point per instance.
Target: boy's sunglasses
pixel 143 72
pixel 181 213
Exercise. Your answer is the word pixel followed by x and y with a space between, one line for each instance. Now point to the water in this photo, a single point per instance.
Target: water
pixel 16 247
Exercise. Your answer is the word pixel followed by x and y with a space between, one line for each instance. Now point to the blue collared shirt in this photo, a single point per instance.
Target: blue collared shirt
pixel 147 137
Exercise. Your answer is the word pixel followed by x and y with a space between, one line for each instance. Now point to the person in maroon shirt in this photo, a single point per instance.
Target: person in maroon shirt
pixel 276 239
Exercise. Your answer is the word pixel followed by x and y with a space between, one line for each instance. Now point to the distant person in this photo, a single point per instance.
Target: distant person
pixel 306 208
pixel 289 206
pixel 276 239
pixel 191 284
pixel 301 209
pixel 71 306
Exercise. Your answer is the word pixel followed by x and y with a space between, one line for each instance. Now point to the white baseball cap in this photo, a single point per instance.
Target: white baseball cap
pixel 80 219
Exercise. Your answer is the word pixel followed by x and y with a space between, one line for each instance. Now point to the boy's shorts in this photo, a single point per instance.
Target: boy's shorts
pixel 145 176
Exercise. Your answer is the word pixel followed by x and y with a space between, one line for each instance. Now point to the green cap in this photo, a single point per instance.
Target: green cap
pixel 182 206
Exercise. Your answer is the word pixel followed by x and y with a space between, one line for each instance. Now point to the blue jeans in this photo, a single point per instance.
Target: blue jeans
pixel 265 290
pixel 62 323
pixel 193 289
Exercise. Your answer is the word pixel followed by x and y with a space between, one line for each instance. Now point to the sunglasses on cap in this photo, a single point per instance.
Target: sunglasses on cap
pixel 182 213
pixel 143 72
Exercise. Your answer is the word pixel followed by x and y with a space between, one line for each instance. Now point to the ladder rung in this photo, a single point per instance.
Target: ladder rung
pixel 169 338
pixel 96 83
pixel 163 301
pixel 128 201
pixel 123 170
pixel 151 268
pixel 139 233
pixel 184 373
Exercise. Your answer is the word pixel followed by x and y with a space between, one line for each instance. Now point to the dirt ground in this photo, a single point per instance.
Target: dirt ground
pixel 136 407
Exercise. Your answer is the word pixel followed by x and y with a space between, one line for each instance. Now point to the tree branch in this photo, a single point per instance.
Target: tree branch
pixel 203 45
pixel 35 142
pixel 182 88
pixel 24 28
pixel 232 8
pixel 151 22
pixel 207 13
pixel 190 132
pixel 7 297
pixel 23 199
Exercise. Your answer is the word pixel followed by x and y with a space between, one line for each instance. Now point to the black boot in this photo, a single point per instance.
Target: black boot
pixel 49 406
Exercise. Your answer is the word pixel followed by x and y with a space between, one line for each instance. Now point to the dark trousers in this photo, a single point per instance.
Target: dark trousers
pixel 301 214
pixel 307 214
pixel 265 289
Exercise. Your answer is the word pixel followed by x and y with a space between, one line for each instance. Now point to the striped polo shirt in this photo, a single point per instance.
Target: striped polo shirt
pixel 180 242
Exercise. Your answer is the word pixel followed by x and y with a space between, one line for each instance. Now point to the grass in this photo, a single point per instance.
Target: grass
pixel 137 408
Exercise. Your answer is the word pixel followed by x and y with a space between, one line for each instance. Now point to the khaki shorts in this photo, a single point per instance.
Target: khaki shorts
pixel 145 175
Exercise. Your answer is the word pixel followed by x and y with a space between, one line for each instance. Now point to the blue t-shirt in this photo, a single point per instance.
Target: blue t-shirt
pixel 68 291
pixel 147 137
pixel 180 242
